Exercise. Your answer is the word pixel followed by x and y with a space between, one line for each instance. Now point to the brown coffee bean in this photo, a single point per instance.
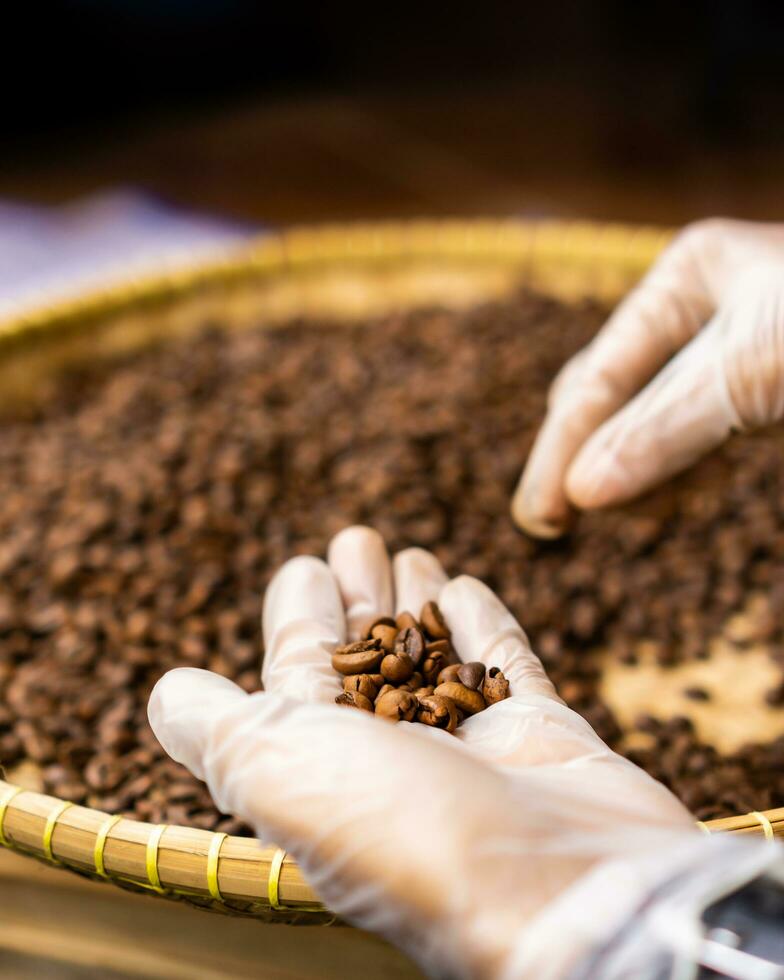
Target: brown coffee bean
pixel 386 635
pixel 422 692
pixel 433 622
pixel 405 621
pixel 464 698
pixel 385 689
pixel 361 684
pixel 397 667
pixel 354 699
pixel 363 657
pixel 471 674
pixel 437 711
pixel 367 630
pixel 495 687
pixel 415 681
pixel 397 705
pixel 449 673
pixel 412 643
pixel 432 665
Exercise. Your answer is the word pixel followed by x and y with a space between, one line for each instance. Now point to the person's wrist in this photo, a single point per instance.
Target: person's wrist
pixel 567 936
pixel 665 923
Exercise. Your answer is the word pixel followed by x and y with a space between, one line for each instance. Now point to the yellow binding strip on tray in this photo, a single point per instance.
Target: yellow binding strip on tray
pixel 153 845
pixel 767 826
pixel 273 883
pixel 9 795
pixel 100 843
pixel 213 859
pixel 51 823
pixel 704 828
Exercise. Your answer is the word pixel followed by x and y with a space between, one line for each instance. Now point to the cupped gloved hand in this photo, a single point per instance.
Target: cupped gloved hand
pixel 508 849
pixel 693 353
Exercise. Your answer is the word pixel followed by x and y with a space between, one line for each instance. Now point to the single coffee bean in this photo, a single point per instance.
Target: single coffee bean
pixel 432 665
pixel 362 684
pixel 411 642
pixel 415 681
pixel 353 699
pixel 433 622
pixel 367 631
pixel 471 674
pixel 397 705
pixel 449 673
pixel 405 621
pixel 397 667
pixel 362 657
pixel 437 711
pixel 386 635
pixel 495 687
pixel 385 689
pixel 422 692
pixel 466 700
pixel 378 680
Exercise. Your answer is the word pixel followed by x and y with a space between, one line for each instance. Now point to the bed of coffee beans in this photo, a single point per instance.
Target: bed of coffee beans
pixel 144 510
pixel 406 669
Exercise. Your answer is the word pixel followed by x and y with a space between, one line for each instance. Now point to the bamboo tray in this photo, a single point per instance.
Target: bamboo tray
pixel 344 272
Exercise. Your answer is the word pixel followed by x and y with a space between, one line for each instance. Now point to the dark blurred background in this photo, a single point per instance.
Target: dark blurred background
pixel 292 111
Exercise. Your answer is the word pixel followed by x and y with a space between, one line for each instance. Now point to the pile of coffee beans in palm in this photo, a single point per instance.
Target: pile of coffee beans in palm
pixel 406 669
pixel 144 509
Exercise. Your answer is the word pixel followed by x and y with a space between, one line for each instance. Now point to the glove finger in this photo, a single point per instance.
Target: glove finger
pixel 302 622
pixel 419 578
pixel 654 321
pixel 682 414
pixel 360 563
pixel 484 629
pixel 179 705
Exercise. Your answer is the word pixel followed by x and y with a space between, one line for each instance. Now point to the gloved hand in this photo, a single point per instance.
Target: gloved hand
pixel 707 325
pixel 506 850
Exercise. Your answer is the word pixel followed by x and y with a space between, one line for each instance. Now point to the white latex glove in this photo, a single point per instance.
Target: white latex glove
pixel 707 326
pixel 509 849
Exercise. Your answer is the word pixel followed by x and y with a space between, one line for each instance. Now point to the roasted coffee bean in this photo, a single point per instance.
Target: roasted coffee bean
pixel 410 642
pixel 361 684
pixel 353 699
pixel 405 621
pixel 437 711
pixel 468 701
pixel 441 646
pixel 433 622
pixel 397 667
pixel 367 632
pixel 495 686
pixel 415 681
pixel 386 635
pixel 362 657
pixel 397 705
pixel 471 674
pixel 449 673
pixel 433 664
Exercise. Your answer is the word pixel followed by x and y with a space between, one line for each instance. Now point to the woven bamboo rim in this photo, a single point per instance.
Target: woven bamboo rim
pixel 278 277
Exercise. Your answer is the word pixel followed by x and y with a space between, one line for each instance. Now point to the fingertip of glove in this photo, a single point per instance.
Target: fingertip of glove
pixel 528 517
pixel 358 537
